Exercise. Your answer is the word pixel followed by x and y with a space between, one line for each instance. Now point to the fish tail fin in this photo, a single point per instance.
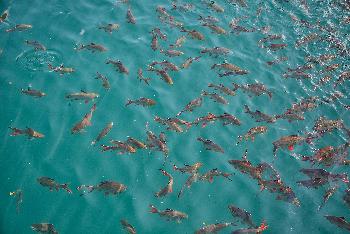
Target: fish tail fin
pixel 65 187
pixel 153 209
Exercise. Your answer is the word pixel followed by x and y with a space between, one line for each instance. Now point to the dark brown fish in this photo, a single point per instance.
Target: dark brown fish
pixel 32 92
pixel 216 97
pixel 191 169
pixel 127 226
pixel 287 142
pixel 108 187
pixel 130 17
pixel 339 221
pixel 191 105
pixel 222 88
pixel 103 133
pixel 255 89
pixel 189 61
pixel 31 133
pixel 141 102
pixel 214 228
pixel 119 65
pixel 210 145
pixel 169 214
pixel 252 133
pixel 86 121
pixel 105 82
pixel 259 116
pixel 93 47
pixel 168 188
pixel 52 184
pixel 194 34
pixel 242 214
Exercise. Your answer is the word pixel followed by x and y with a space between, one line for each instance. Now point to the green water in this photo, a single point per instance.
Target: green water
pixel 61 25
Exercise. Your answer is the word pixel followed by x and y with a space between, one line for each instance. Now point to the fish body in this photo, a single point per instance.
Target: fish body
pixel 44 228
pixel 4 15
pixel 141 102
pixel 103 133
pixel 18 194
pixel 210 145
pixel 251 230
pixel 256 89
pixel 52 184
pixel 169 214
pixel 209 176
pixel 105 82
pixel 86 121
pixel 170 123
pixel 61 69
pixel 216 51
pixel 306 39
pixel 179 42
pixel 33 92
pixel 213 228
pixel 141 77
pixel 216 97
pixel 259 116
pixel 242 214
pixel 222 88
pixel 108 187
pixel 37 45
pixel 252 132
pixel 189 61
pixel 277 61
pixel 328 194
pixel 109 27
pixel 290 116
pixel 204 120
pixel 339 221
pixel 345 75
pixel 86 96
pixel 128 227
pixel 93 47
pixel 154 42
pixel 31 133
pixel 227 119
pixel 209 19
pixel 286 141
pixel 171 53
pixel 194 34
pixel 324 125
pixel 192 105
pixel 20 27
pixel 216 7
pixel 119 65
pixel 136 143
pixel 168 188
pixel 189 168
pixel 130 17
pixel 215 28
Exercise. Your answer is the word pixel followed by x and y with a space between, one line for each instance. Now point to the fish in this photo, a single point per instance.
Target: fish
pixel 156 31
pixel 103 133
pixel 193 178
pixel 209 19
pixel 105 82
pixel 227 119
pixel 136 143
pixel 31 133
pixel 86 96
pixel 204 120
pixel 108 187
pixel 228 67
pixel 331 68
pixel 127 226
pixel 166 65
pixel 183 7
pixel 141 77
pixel 119 65
pixel 44 228
pixel 253 230
pixel 109 27
pixel 154 42
pixel 33 92
pixel 259 116
pixel 306 39
pixel 209 176
pixel 189 61
pixel 52 184
pixel 290 116
pixel 323 80
pixel 304 105
pixel 312 183
pixel 194 34
pixel 255 89
pixel 86 121
pixel 277 61
pixel 216 51
pixel 164 15
pixel 324 125
pixel 18 194
pixel 130 17
pixel 157 142
pixel 252 132
pixel 61 69
pixel 339 221
pixel 302 68
pixel 37 45
pixel 242 214
pixel 93 47
pixel 222 88
pixel 287 141
pixel 297 75
pixel 171 53
pixel 191 105
pixel 170 123
pixel 325 175
pixel 168 188
pixel 179 42
pixel 163 74
pixel 119 145
pixel 214 28
pixel 241 3
pixel 216 97
pixel 191 169
pixel 345 75
pixel 275 46
pixel 271 37
pixel 19 27
pixel 320 59
pixel 216 7
pixel 169 214
pixel 4 15
pixel 141 102
pixel 214 228
pixel 210 145
pixel 330 192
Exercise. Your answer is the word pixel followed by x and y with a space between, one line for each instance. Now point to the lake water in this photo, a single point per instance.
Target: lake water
pixel 70 158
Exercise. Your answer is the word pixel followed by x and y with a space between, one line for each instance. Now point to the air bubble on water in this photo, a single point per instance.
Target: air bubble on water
pixel 82 32
pixel 134 120
pixel 161 202
pixel 10 82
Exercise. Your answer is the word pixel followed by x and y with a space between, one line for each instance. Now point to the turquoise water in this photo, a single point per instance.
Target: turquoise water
pixel 66 157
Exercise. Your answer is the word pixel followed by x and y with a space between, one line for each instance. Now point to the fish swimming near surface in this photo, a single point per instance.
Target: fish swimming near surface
pixel 18 194
pixel 52 184
pixel 259 116
pixel 103 133
pixel 44 228
pixel 168 188
pixel 222 88
pixel 141 102
pixel 61 69
pixel 189 61
pixel 86 121
pixel 136 143
pixel 119 65
pixel 194 34
pixel 127 226
pixel 188 168
pixel 141 77
pixel 107 187
pixel 31 133
pixel 83 95
pixel 37 45
pixel 93 47
pixel 255 89
pixel 20 27
pixel 242 214
pixel 216 97
pixel 169 214
pixel 210 145
pixel 130 16
pixel 109 27
pixel 214 228
pixel 104 79
pixel 257 230
pixel 216 51
pixel 252 132
pixel 191 105
pixel 4 15
pixel 33 92
pixel 287 141
pixel 339 221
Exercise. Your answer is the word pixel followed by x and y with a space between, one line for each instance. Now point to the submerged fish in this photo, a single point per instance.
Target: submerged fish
pixel 18 194
pixel 169 214
pixel 37 45
pixel 242 214
pixel 252 133
pixel 141 102
pixel 191 105
pixel 168 188
pixel 119 65
pixel 109 27
pixel 259 116
pixel 93 47
pixel 44 228
pixel 210 145
pixel 103 133
pixel 85 96
pixel 31 133
pixel 105 82
pixel 19 27
pixel 128 227
pixel 32 92
pixel 52 184
pixel 108 187
pixel 214 228
pixel 287 141
pixel 189 61
pixel 61 69
pixel 216 97
pixel 255 89
pixel 339 221
pixel 130 17
pixel 86 121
